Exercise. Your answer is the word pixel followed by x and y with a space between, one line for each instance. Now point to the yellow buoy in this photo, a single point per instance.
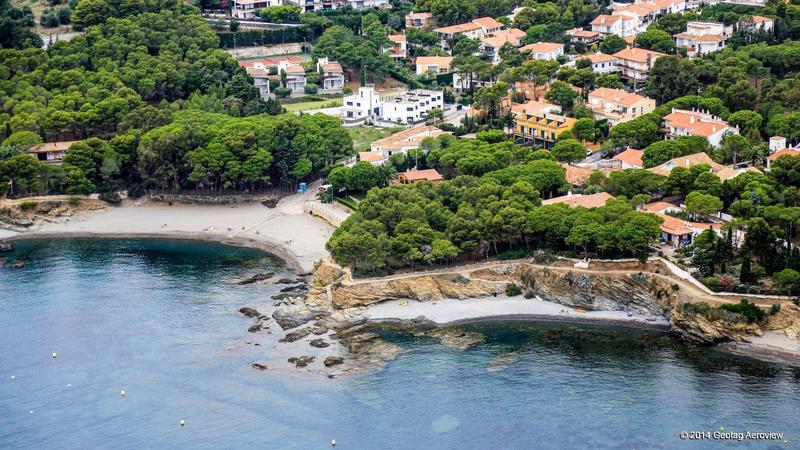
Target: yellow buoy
pixel 55 355
pixel 183 423
pixel 122 393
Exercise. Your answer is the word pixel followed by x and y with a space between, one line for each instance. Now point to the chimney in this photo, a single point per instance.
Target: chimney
pixel 776 143
pixel 714 129
pixel 691 119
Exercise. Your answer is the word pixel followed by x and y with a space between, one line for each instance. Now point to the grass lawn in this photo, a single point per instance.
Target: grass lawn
pixel 304 106
pixel 363 135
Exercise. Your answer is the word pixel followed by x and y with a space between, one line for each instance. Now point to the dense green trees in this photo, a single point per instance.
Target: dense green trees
pixel 213 151
pixel 475 217
pixel 16 27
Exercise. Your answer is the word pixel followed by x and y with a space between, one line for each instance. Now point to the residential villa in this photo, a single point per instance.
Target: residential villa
pixel 778 148
pixel 260 74
pixel 576 176
pixel 586 37
pixel 434 64
pixel 331 75
pixel 635 63
pixel 492 44
pixel 419 20
pixel 702 38
pixel 361 105
pixel 376 159
pixel 618 106
pixel 630 158
pixel 581 200
pixel 695 123
pixel 295 78
pixel 248 9
pixel 602 63
pixel 403 141
pixel 51 152
pixel 476 29
pixel 411 107
pixel 399 48
pixel 413 176
pixel 544 50
pixel 622 26
pixel 688 162
pixel 678 232
pixel 537 123
pixel 762 23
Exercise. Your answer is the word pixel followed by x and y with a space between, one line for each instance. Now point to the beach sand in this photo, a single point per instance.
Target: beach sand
pixel 285 231
pixel 454 312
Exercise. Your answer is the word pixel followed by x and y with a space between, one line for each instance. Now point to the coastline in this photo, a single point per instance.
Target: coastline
pixel 286 231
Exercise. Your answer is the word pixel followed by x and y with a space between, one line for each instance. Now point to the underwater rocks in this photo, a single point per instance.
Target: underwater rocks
pixel 249 312
pixel 6 247
pixel 296 335
pixel 332 361
pixel 258 366
pixel 256 278
pixel 319 343
pixel 301 361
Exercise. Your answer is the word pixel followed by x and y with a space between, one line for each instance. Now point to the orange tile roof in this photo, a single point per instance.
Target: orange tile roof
pixel 761 19
pixel 533 107
pixel 616 96
pixel 727 173
pixel 701 37
pixel 487 22
pixel 332 66
pixel 640 9
pixel 397 37
pixel 542 47
pixel 659 206
pixel 295 70
pixel 687 162
pixel 679 227
pixel 420 15
pixel 782 152
pixel 584 33
pixel 637 54
pixel 605 19
pixel 460 28
pixel 420 175
pixel 600 58
pixel 441 61
pixel 576 176
pixel 631 156
pixel 411 137
pixel 698 124
pixel 497 40
pixel 585 201
pixel 370 156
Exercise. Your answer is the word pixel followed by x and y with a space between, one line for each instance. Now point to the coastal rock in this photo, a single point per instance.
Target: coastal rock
pixel 500 362
pixel 293 315
pixel 301 361
pixel 258 366
pixel 319 343
pixel 317 329
pixel 288 295
pixel 298 288
pixel 296 335
pixel 18 264
pixel 270 202
pixel 6 247
pixel 421 288
pixel 286 281
pixel 249 312
pixel 456 338
pixel 332 361
pixel 3 260
pixel 256 278
pixel 255 328
pixel 327 273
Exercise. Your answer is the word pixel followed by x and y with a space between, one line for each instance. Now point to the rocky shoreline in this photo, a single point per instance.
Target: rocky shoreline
pixel 343 317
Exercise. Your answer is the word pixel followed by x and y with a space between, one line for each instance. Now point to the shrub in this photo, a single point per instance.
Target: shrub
pixel 27 205
pixel 775 309
pixel 347 91
pixel 460 279
pixel 74 201
pixel 283 92
pixel 310 88
pixel 111 197
pixel 512 254
pixel 544 257
pixel 712 283
pixel 512 290
pixel 676 288
pixel 750 311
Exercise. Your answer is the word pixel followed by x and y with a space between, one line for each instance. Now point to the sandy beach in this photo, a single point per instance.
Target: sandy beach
pixel 454 312
pixel 284 231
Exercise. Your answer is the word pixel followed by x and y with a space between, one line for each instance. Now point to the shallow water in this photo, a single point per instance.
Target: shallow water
pixel 156 319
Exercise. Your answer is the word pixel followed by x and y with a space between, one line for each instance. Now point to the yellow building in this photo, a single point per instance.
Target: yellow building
pixel 536 123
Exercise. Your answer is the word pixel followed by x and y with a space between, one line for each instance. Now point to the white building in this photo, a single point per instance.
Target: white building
pixel 635 63
pixel 411 107
pixel 399 46
pixel 476 29
pixel 248 9
pixel 701 38
pixel 406 108
pixel 544 50
pixel 602 63
pixel 622 26
pixel 331 75
pixel 682 122
pixel 295 77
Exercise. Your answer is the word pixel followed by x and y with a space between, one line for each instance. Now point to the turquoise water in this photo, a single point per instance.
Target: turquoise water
pixel 156 319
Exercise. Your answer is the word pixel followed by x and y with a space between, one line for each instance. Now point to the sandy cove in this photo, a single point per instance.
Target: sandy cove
pixel 284 231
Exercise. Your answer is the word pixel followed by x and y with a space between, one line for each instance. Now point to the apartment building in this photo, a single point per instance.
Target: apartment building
pixel 419 20
pixel 635 63
pixel 476 29
pixel 602 63
pixel 399 46
pixel 682 122
pixel 492 44
pixel 586 37
pixel 622 26
pixel 248 9
pixel 618 106
pixel 701 38
pixel 537 123
pixel 436 65
pixel 412 106
pixel 544 50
